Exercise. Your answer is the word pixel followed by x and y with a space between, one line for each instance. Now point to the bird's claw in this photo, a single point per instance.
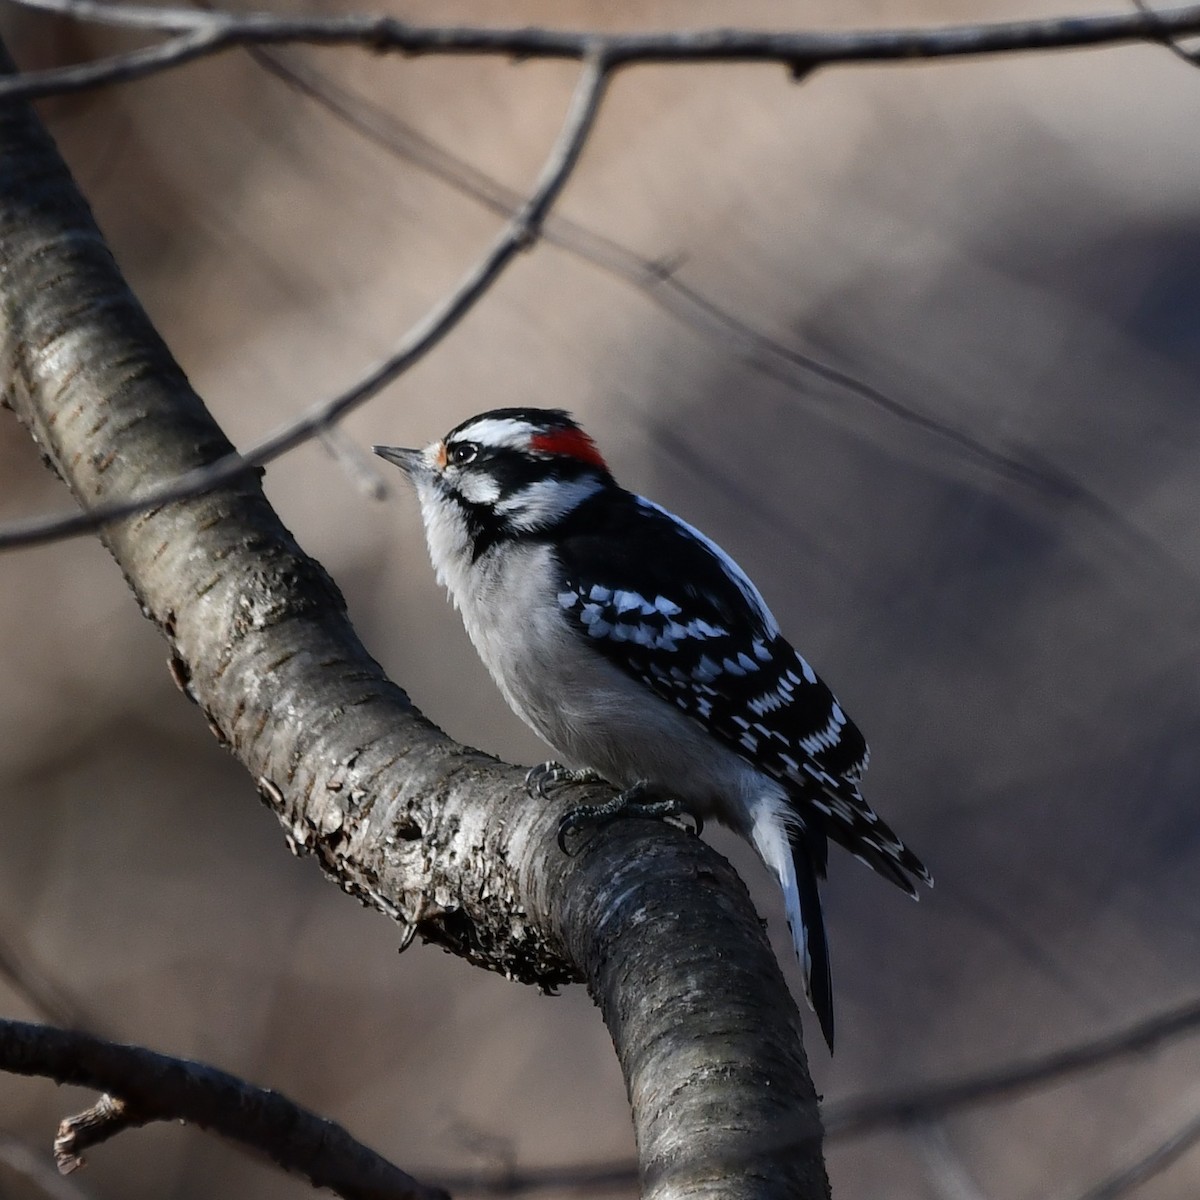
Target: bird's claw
pixel 632 802
pixel 553 774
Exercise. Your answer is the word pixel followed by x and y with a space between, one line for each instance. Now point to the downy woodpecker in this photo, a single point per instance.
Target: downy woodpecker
pixel 644 656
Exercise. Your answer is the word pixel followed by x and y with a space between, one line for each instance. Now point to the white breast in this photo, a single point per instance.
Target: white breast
pixel 590 712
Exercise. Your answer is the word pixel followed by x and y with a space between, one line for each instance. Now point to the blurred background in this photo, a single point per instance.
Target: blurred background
pixel 918 344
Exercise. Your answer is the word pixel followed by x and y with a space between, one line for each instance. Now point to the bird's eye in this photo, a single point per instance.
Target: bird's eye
pixel 461 453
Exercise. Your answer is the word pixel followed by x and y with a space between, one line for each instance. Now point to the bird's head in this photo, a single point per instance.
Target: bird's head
pixel 505 473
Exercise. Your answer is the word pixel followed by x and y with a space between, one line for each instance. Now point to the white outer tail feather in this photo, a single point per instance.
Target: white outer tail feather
pixel 779 838
pixel 769 835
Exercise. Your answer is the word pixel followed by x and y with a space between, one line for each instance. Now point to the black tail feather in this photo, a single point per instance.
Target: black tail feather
pixel 819 982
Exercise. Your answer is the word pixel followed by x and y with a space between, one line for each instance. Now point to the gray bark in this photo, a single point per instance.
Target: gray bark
pixel 440 836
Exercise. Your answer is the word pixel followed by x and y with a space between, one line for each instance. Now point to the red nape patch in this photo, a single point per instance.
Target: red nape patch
pixel 573 443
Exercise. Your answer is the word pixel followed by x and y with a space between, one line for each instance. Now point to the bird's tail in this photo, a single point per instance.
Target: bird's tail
pixel 797 868
pixel 808 933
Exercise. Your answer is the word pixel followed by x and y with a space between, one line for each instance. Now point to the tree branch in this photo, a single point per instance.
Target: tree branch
pixel 1131 1176
pixel 435 834
pixel 156 1087
pixel 799 51
pixel 119 68
pixel 854 1117
pixel 863 1115
pixel 519 234
pixel 1167 37
pixel 223 30
pixel 664 288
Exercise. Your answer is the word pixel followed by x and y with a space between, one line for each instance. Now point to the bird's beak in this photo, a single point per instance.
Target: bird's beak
pixel 411 462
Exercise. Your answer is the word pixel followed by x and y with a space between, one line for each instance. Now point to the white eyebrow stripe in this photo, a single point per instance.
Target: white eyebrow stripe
pixel 497 432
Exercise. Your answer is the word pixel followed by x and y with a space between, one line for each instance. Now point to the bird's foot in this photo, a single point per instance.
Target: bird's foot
pixel 640 800
pixel 549 775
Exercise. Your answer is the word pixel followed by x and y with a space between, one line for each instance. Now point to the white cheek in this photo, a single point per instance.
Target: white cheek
pixel 546 501
pixel 478 487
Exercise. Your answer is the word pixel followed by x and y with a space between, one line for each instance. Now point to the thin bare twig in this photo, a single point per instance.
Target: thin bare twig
pixel 800 52
pixel 1167 37
pixel 1134 1174
pixel 353 460
pixel 860 1116
pixel 156 1087
pixel 103 1120
pixel 663 288
pixel 676 297
pixel 118 68
pixel 852 1118
pixel 520 233
pixel 947 1174
pixel 599 1177
pixel 45 995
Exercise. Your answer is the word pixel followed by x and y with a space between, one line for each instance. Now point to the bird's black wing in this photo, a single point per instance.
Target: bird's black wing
pixel 686 622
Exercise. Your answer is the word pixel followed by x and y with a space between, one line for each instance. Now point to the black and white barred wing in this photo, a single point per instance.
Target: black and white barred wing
pixel 697 633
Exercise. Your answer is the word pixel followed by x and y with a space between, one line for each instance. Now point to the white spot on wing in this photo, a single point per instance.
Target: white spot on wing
pixel 767 702
pixel 627 601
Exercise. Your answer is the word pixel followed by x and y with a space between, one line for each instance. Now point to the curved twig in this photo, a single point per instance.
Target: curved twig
pixel 157 1087
pixel 519 234
pixel 204 31
pixel 1131 1176
pixel 852 1118
pixel 1167 36
pixel 799 51
pixel 864 1115
pixel 118 68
